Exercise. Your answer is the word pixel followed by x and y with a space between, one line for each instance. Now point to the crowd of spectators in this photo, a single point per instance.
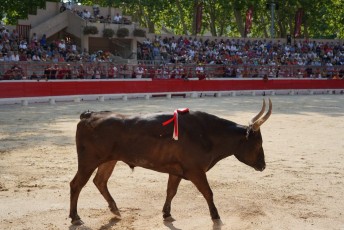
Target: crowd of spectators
pixel 311 58
pixel 180 57
pixel 95 16
pixel 241 51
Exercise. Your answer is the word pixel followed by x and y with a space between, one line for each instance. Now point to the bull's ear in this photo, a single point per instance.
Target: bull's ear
pixel 248 131
pixel 259 122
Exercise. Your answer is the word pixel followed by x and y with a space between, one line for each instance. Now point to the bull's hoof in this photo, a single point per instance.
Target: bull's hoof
pixel 169 219
pixel 116 213
pixel 77 222
pixel 217 222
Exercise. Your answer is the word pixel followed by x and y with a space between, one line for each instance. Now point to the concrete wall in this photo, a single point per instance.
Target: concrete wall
pixel 52 25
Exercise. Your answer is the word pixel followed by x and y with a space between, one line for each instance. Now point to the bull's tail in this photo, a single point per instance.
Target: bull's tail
pixel 85 115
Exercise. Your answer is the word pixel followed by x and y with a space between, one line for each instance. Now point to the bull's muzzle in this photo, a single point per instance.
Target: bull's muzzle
pixel 260 168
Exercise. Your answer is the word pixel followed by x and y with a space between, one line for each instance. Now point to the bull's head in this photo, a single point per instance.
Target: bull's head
pixel 252 150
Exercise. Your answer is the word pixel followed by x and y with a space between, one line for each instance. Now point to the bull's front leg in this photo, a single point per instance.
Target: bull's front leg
pixel 172 187
pixel 199 179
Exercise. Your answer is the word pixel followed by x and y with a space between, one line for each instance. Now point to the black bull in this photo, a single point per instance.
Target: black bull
pixel 103 138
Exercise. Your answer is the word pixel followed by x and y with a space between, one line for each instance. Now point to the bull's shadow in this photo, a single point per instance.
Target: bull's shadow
pixel 112 222
pixel 170 226
pixel 78 227
pixel 217 225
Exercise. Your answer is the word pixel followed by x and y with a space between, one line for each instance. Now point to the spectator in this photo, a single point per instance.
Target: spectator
pixel 139 71
pixel 112 71
pixel 63 7
pixel 17 72
pixel 97 72
pixel 125 71
pixel 22 56
pixel 43 41
pixel 62 45
pixel 81 72
pixel 34 38
pixel 68 72
pixel 34 76
pixel 96 11
pixel 23 45
pixel 15 56
pixel 60 58
pixel 53 72
pixel 35 57
pixel 86 14
pixel 200 72
pixel 117 18
pixel 7 57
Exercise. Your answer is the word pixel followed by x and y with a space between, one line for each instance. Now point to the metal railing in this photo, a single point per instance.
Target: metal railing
pixel 109 70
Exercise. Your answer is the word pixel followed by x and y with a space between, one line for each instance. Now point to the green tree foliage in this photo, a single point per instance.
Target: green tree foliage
pixel 321 19
pixel 12 10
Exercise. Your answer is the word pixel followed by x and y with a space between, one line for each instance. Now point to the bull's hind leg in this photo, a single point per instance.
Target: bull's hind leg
pixel 100 180
pixel 79 181
pixel 172 187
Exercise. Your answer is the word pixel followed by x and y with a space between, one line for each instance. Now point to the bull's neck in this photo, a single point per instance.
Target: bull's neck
pixel 228 143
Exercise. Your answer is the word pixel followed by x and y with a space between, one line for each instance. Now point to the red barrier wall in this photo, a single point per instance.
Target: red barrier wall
pixel 13 89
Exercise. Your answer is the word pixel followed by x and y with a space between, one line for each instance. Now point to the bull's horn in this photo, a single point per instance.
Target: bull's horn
pixel 258 123
pixel 255 118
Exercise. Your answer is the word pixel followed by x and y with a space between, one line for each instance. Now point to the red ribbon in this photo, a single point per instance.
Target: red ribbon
pixel 175 120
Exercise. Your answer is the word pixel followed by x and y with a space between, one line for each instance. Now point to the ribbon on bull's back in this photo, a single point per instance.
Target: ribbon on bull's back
pixel 175 120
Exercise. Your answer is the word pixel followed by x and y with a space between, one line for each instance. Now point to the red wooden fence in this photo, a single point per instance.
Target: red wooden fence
pixel 15 89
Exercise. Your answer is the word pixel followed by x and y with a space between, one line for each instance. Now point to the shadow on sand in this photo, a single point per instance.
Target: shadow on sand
pixel 217 225
pixel 112 222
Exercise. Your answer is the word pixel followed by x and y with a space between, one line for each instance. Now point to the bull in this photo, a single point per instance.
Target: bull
pixel 103 138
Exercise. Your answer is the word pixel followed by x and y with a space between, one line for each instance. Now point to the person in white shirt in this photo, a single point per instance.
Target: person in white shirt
pixel 200 72
pixel 62 45
pixel 15 56
pixel 69 6
pixel 117 18
pixel 35 57
pixel 139 71
pixel 86 14
pixel 23 45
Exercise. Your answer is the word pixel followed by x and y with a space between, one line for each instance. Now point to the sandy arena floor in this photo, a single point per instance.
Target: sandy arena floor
pixel 301 188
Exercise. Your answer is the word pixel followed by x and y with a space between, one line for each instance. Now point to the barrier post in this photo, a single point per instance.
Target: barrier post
pixel 25 102
pixel 218 94
pixel 101 98
pixel 194 94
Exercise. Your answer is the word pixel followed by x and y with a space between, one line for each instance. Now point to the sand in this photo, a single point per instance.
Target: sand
pixel 301 188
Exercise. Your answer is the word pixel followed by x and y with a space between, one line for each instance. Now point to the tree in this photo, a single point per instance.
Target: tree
pixel 321 18
pixel 12 10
